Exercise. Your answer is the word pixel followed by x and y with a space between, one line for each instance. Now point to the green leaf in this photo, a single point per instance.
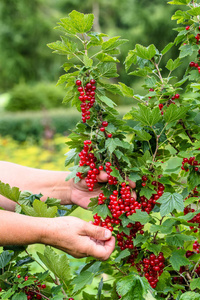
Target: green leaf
pixel 108 69
pixel 194 11
pixel 174 113
pixel 126 90
pixel 63 47
pixel 88 62
pixel 40 209
pixel 112 43
pixel 147 116
pixel 173 64
pixel 195 284
pixel 102 211
pixel 142 135
pixel 19 296
pixel 112 144
pixel 140 216
pixel 145 52
pixel 179 2
pixel 167 48
pixel 178 239
pixel 130 59
pixel 71 155
pixel 105 57
pixel 190 296
pixel 5 257
pixel 185 50
pixel 78 22
pixel 169 202
pixel 107 101
pixel 122 255
pixel 132 287
pixel 116 174
pixel 147 192
pixel 81 280
pixel 56 263
pixel 178 259
pixel 8 294
pixel 8 192
pixel 134 176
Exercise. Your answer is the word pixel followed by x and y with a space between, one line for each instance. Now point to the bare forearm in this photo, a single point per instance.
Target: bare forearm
pixel 18 229
pixel 48 183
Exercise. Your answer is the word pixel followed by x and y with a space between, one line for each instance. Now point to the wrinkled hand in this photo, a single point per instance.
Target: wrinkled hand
pixel 80 195
pixel 78 238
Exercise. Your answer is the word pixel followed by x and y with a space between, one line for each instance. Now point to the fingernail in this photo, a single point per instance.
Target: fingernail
pixel 107 234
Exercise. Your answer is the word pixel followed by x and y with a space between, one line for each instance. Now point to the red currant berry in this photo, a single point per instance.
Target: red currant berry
pixel 78 82
pixel 177 96
pixel 104 123
pixel 92 81
pixel 187 27
pixel 102 129
pixel 109 135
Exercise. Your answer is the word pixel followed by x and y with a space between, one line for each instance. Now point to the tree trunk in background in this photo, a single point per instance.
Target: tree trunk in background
pixel 95 11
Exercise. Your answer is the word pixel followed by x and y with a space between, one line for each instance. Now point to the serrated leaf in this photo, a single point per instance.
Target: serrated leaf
pixel 178 239
pixel 142 135
pixel 71 154
pixel 56 263
pixel 195 284
pixel 145 52
pixel 130 59
pixel 40 209
pixel 102 211
pixel 134 176
pixel 105 57
pixel 88 62
pixel 5 257
pixel 8 192
pixel 112 43
pixel 78 22
pixel 147 116
pixel 173 64
pixel 140 216
pixel 147 192
pixel 132 287
pixel 178 259
pixel 169 202
pixel 174 113
pixel 116 174
pixel 167 48
pixel 186 50
pixel 19 296
pixel 81 280
pixel 190 296
pixel 195 11
pixel 126 90
pixel 107 100
pixel 108 69
pixel 122 255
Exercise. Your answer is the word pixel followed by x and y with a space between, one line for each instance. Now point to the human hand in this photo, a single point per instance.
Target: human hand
pixel 79 194
pixel 78 238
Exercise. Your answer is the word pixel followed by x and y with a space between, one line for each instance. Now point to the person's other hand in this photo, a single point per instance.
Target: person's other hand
pixel 78 238
pixel 79 194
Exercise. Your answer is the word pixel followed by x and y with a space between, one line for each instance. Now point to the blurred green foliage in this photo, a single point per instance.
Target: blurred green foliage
pixel 27 26
pixel 43 124
pixel 42 95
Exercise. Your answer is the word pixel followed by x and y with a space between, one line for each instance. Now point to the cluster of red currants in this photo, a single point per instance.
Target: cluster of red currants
pixel 87 97
pixel 153 268
pixel 170 101
pixel 190 161
pixel 148 204
pixel 34 291
pixel 195 219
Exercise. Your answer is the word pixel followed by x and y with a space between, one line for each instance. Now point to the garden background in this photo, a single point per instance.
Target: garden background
pixel 34 123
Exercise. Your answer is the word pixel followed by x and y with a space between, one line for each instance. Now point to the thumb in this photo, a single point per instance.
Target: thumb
pixel 97 232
